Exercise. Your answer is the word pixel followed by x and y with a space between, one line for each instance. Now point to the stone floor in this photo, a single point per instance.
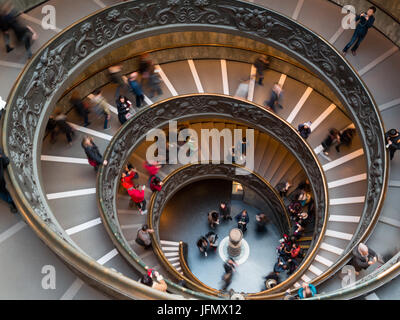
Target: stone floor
pixel 185 219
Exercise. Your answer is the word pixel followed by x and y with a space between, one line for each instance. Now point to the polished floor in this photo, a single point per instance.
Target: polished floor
pixel 185 219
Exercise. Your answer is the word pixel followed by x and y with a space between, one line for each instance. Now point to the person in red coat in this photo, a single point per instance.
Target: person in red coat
pixel 152 168
pixel 137 196
pixel 136 193
pixel 155 184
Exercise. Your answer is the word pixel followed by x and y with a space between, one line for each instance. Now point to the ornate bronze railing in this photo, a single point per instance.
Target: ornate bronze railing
pixel 50 71
pixel 205 106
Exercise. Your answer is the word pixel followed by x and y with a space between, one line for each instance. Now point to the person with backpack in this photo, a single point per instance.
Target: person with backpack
pixel 137 197
pixel 213 219
pixel 203 245
pixel 159 282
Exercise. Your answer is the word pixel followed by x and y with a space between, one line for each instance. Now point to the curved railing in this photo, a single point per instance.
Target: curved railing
pixel 48 74
pixel 192 173
pixel 190 107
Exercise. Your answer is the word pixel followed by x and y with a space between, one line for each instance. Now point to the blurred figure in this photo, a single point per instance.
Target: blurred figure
pixel 92 152
pixel 283 188
pixel 230 268
pixel 5 27
pixel 4 194
pixel 333 137
pixel 80 107
pixel 262 221
pixel 116 77
pixel 145 66
pixel 346 138
pixel 307 290
pixel 152 168
pixel 64 127
pixel 276 96
pixel 103 107
pixel 155 84
pixel 261 64
pixel 272 280
pixel 243 89
pixel 24 33
pixel 136 88
pixel 159 284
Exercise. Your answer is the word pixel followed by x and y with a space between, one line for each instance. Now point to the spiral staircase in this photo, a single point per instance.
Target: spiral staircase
pixel 71 189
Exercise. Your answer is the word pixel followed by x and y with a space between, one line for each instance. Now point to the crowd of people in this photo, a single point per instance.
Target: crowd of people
pixel 301 211
pixel 126 85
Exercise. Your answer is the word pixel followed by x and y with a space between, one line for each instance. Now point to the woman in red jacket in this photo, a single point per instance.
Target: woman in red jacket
pixel 152 168
pixel 155 184
pixel 137 197
pixel 136 193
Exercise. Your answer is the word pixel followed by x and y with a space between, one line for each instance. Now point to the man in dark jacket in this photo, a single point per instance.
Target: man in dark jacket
pixel 242 219
pixel 4 194
pixel 393 141
pixel 365 21
pixel 363 257
pixel 305 130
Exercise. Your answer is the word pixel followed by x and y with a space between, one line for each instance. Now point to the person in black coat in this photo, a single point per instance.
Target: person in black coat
pixel 393 141
pixel 124 107
pixel 242 219
pixel 92 152
pixel 305 130
pixel 4 194
pixel 365 22
pixel 363 257
pixel 225 211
